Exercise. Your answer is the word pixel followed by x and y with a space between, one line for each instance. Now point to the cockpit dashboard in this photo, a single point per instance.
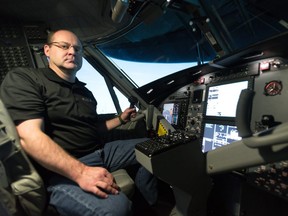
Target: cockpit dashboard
pixel 207 108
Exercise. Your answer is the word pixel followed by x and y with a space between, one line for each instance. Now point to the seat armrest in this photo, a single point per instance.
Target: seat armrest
pixel 125 182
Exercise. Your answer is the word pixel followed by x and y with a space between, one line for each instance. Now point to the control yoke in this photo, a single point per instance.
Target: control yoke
pixel 243 113
pixel 273 136
pixel 150 114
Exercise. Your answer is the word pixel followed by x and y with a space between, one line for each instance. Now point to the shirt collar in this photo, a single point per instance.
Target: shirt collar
pixel 51 75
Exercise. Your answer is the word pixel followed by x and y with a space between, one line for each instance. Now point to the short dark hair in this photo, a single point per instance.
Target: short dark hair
pixel 50 36
pixel 52 33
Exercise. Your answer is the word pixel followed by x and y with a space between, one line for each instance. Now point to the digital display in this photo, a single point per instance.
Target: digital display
pixel 222 99
pixel 171 112
pixel 197 96
pixel 218 135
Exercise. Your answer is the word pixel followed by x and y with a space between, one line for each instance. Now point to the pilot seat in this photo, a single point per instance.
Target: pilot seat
pixel 19 180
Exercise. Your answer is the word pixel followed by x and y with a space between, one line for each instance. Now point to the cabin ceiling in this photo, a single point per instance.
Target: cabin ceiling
pixel 234 25
pixel 89 19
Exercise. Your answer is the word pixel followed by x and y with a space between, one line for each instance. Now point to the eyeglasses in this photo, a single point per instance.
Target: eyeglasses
pixel 66 46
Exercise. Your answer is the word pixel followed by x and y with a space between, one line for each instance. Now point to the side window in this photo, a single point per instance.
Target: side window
pixel 97 85
pixel 124 103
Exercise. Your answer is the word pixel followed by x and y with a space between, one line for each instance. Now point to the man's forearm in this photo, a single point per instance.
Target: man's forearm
pixel 113 123
pixel 49 154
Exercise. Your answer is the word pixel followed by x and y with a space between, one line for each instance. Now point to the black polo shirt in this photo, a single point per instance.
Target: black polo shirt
pixel 68 109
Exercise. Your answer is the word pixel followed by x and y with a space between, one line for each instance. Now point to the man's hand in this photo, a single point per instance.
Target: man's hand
pixel 50 155
pixel 97 180
pixel 115 122
pixel 128 113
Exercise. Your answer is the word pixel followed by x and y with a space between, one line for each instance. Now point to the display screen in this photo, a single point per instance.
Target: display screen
pixel 222 99
pixel 171 112
pixel 197 96
pixel 218 135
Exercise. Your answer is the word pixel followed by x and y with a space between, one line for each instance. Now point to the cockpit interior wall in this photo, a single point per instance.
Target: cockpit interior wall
pixel 14 49
pixel 20 46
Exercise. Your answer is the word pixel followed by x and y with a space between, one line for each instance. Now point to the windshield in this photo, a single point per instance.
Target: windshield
pixel 189 33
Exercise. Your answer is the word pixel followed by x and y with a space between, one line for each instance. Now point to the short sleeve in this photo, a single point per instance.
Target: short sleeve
pixel 21 93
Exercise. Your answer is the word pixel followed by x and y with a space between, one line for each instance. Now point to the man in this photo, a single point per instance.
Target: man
pixel 56 119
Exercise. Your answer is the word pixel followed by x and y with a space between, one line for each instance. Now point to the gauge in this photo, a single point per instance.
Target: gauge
pixel 273 88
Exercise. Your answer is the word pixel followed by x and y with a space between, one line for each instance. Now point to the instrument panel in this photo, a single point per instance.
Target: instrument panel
pixel 185 108
pixel 188 110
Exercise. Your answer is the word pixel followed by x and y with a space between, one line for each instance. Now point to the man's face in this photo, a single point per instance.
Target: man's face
pixel 64 52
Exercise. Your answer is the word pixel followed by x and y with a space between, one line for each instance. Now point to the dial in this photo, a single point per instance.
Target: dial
pixel 273 88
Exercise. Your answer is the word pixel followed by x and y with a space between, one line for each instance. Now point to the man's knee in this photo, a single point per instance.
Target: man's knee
pixel 77 202
pixel 117 205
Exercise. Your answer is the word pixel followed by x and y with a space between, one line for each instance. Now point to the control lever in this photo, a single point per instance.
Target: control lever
pixel 133 101
pixel 148 113
pixel 149 117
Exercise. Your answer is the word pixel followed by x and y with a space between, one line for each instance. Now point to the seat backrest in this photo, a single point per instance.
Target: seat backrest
pixel 18 176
